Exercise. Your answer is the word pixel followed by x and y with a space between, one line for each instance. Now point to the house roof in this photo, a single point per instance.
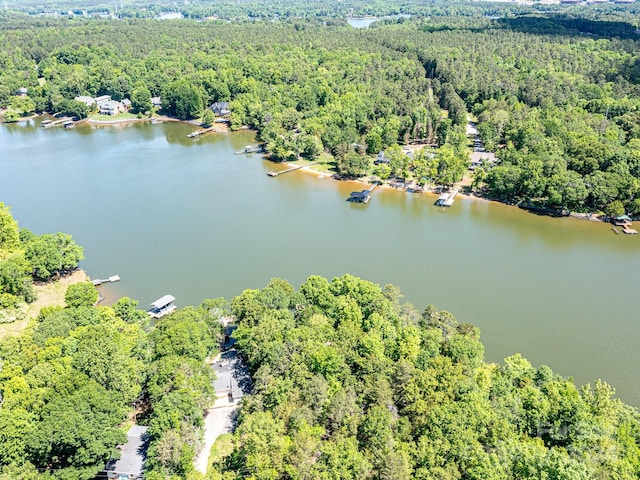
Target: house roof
pixel 220 107
pixel 111 104
pixel 133 453
pixel 163 301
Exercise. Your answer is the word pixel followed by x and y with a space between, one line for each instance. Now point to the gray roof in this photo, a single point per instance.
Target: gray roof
pixel 133 453
pixel 220 107
pixel 163 301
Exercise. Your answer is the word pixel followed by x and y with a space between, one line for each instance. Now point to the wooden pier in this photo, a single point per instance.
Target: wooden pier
pixel 624 222
pixel 112 279
pixel 204 131
pixel 56 123
pixel 447 198
pixel 275 174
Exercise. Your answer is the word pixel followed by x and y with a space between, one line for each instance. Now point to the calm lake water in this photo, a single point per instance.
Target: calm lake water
pixel 365 22
pixel 190 218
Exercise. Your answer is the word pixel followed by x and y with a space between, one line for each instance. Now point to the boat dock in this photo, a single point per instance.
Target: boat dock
pixel 275 174
pixel 624 222
pixel 161 307
pixel 250 149
pixel 204 131
pixel 447 198
pixel 56 123
pixel 363 196
pixel 112 279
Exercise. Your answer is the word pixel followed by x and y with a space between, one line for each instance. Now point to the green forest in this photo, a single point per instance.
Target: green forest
pixel 26 257
pixel 349 382
pixel 555 95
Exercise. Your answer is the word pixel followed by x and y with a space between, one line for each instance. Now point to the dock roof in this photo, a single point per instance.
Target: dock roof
pixel 163 301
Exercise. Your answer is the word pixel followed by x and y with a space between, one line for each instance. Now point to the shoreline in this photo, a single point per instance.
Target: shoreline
pixel 324 174
pixel 407 188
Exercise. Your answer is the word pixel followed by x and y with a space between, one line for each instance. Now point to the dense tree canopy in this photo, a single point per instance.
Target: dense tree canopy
pixel 555 95
pixel 349 383
pixel 25 257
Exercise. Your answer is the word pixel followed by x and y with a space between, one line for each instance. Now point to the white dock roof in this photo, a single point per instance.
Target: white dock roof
pixel 163 301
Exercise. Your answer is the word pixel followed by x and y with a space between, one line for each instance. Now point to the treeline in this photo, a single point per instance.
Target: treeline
pixel 26 257
pixel 72 385
pixel 252 9
pixel 352 384
pixel 560 109
pixel 349 383
pixel 555 95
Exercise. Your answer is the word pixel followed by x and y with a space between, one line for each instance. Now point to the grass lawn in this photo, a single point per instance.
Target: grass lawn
pixel 221 449
pixel 324 163
pixel 120 116
pixel 47 295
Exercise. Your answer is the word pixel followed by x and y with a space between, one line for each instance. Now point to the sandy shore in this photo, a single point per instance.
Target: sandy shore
pixel 466 181
pixel 218 128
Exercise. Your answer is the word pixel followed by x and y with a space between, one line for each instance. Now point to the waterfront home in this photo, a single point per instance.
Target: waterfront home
pixel 221 109
pixel 87 100
pixel 102 99
pixel 161 307
pixel 112 108
pixel 381 159
pixel 132 456
pixel 156 102
pixel 127 103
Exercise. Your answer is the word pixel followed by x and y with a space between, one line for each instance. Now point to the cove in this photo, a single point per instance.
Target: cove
pixel 190 218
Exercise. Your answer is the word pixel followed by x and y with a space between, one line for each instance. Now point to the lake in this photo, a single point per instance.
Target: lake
pixel 190 218
pixel 365 22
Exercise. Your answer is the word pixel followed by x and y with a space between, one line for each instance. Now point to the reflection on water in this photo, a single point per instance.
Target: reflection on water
pixel 192 219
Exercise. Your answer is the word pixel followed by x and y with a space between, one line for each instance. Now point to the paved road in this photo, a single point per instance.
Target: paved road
pixel 231 377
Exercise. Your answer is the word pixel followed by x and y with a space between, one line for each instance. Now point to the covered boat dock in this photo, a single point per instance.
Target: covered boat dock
pixel 161 307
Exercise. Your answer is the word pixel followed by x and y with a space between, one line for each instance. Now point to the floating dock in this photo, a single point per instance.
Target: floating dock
pixel 447 198
pixel 112 279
